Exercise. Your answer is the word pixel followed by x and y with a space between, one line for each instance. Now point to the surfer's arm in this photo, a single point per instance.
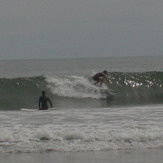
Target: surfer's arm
pixel 39 103
pixel 50 102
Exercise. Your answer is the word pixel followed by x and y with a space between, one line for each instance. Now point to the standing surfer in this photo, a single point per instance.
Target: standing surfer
pixel 43 101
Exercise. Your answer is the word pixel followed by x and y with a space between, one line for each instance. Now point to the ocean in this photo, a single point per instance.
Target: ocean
pixel 84 118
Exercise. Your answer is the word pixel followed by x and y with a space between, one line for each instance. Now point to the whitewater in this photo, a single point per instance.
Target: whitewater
pixel 84 117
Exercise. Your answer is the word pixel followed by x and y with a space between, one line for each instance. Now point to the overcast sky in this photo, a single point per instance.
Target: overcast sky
pixel 80 28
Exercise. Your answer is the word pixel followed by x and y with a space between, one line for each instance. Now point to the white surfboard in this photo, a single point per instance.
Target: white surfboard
pixel 28 109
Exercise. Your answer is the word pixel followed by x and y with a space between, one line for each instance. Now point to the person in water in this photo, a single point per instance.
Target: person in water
pixel 43 102
pixel 100 77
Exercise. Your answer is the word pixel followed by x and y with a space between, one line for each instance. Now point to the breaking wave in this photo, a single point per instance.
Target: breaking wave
pixel 124 88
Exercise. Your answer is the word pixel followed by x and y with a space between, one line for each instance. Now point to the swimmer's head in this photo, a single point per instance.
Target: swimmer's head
pixel 43 93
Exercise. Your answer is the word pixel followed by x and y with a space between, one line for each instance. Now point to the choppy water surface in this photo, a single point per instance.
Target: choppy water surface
pixel 126 114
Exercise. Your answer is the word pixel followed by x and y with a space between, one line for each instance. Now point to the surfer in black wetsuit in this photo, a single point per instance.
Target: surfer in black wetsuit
pixel 99 77
pixel 43 102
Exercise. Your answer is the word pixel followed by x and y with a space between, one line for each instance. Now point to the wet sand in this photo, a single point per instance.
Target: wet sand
pixel 113 156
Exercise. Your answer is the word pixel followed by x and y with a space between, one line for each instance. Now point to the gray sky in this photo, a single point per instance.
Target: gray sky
pixel 80 28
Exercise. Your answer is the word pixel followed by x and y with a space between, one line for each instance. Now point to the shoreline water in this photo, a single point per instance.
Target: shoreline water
pixel 92 129
pixel 112 156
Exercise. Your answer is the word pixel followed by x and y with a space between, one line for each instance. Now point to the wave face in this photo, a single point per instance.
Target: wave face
pixel 145 87
pixel 124 89
pixel 19 92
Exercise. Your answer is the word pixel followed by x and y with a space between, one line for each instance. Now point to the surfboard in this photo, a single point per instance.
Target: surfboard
pixel 28 109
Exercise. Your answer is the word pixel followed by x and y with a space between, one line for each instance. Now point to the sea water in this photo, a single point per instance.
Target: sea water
pixel 84 118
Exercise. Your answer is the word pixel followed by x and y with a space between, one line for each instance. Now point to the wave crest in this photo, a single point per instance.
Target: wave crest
pixel 74 86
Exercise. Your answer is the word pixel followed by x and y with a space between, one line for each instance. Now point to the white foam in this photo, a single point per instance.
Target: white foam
pixel 82 129
pixel 74 86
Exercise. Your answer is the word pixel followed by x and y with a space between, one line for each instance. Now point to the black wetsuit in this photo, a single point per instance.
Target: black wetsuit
pixel 43 103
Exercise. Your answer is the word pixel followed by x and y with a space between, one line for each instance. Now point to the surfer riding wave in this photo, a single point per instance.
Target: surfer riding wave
pixel 100 77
